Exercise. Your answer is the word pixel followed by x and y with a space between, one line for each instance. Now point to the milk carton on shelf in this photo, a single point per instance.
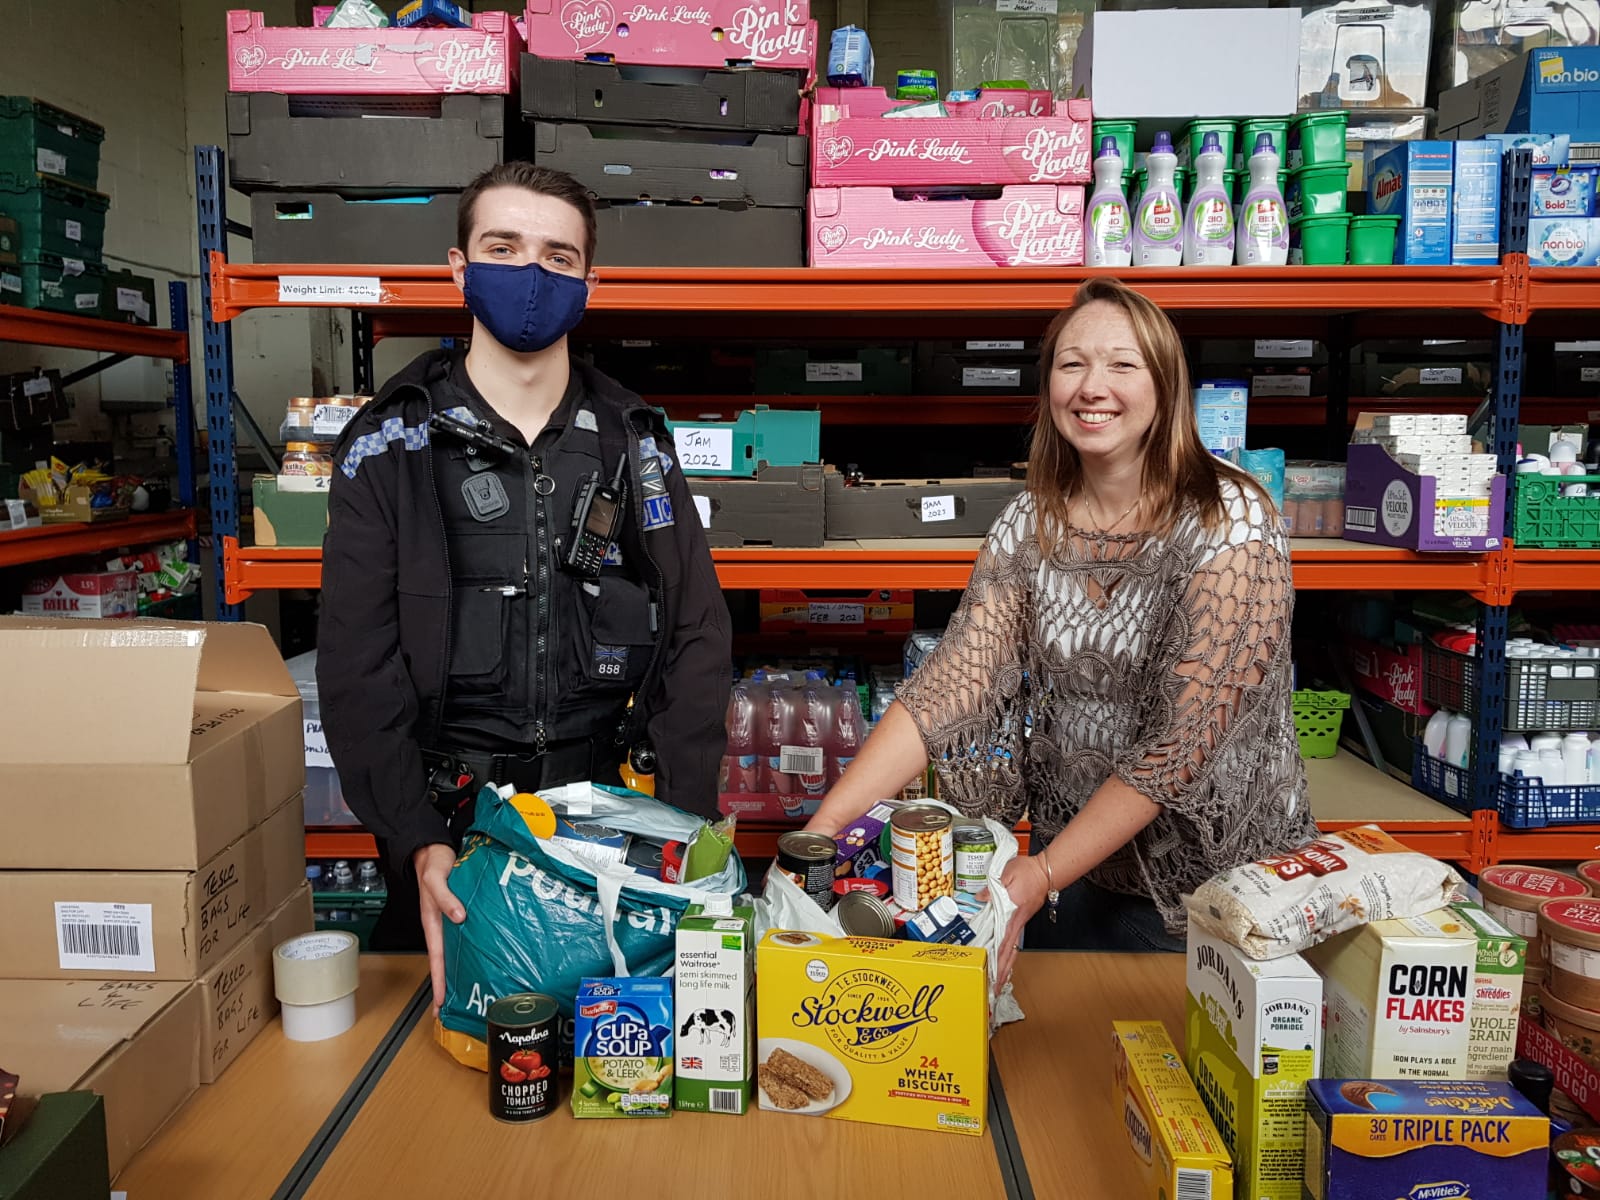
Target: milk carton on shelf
pixel 714 992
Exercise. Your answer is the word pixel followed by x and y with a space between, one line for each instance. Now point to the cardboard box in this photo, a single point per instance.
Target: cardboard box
pixel 781 506
pixel 739 447
pixel 556 89
pixel 1415 181
pixel 197 739
pixel 1564 242
pixel 1391 674
pixel 1253 1038
pixel 237 1000
pixel 83 596
pixel 897 1031
pixel 1162 63
pixel 1168 1127
pixel 32 400
pixel 1389 506
pixel 288 518
pixel 622 1047
pixel 150 925
pixel 1549 88
pixel 60 1154
pixel 715 33
pixel 1027 225
pixel 1496 995
pixel 136 1044
pixel 1475 216
pixel 714 981
pixel 912 508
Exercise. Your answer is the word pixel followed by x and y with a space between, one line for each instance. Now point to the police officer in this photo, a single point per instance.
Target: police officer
pixel 512 554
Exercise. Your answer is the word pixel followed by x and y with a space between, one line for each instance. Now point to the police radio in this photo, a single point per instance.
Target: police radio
pixel 595 521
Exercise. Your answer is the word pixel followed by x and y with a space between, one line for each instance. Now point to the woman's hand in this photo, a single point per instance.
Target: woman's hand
pixel 1024 881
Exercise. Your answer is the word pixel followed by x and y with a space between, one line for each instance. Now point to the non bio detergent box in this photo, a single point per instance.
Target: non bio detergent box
pixel 622 1048
pixel 1168 1127
pixel 1475 220
pixel 1422 1140
pixel 1253 1037
pixel 1496 993
pixel 714 988
pixel 1564 242
pixel 869 1029
pixel 1415 182
pixel 1399 998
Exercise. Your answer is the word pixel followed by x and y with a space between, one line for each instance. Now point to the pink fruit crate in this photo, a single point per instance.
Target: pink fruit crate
pixel 852 144
pixel 712 33
pixel 1025 225
pixel 395 62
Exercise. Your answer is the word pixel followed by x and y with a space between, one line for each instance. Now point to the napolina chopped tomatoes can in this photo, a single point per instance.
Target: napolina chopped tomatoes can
pixel 522 1057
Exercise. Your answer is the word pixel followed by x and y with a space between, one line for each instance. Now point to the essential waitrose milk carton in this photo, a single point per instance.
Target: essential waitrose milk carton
pixel 1253 1038
pixel 1496 993
pixel 1415 181
pixel 714 992
pixel 1399 998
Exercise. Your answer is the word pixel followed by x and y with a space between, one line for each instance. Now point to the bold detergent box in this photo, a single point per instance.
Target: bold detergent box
pixel 1416 181
pixel 1564 191
pixel 1475 219
pixel 1564 242
pixel 1422 1140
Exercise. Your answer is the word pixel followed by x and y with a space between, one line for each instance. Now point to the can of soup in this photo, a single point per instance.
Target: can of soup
pixel 974 851
pixel 924 858
pixel 807 858
pixel 862 914
pixel 522 1057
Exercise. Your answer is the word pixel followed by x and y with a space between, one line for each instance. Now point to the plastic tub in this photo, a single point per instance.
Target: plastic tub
pixel 1317 191
pixel 1194 137
pixel 1512 894
pixel 1372 240
pixel 1123 131
pixel 1250 130
pixel 1319 241
pixel 1230 184
pixel 1317 139
pixel 1571 932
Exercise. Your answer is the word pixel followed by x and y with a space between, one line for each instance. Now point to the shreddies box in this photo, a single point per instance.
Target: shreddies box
pixel 1496 993
pixel 865 1029
pixel 1168 1127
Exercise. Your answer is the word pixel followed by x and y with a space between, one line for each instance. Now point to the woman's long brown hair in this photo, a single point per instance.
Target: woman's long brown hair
pixel 1178 470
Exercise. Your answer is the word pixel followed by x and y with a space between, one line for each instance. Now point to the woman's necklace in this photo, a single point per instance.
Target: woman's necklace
pixel 1088 505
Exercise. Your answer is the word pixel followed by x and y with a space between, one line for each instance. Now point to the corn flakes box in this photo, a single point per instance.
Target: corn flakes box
pixel 868 1029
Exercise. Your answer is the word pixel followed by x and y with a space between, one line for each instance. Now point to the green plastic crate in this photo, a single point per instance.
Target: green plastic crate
pixel 40 139
pixel 737 448
pixel 54 216
pixel 1547 518
pixel 358 912
pixel 57 284
pixel 1317 717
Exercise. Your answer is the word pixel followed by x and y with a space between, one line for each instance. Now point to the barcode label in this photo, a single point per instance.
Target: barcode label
pixel 1364 519
pixel 100 937
pixel 1193 1185
pixel 724 1100
pixel 800 760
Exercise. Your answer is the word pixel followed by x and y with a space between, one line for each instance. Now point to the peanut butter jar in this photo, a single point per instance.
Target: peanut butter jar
pixel 1512 894
pixel 1571 932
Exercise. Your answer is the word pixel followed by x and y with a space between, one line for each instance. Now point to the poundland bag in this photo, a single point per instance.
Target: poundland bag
pixel 540 917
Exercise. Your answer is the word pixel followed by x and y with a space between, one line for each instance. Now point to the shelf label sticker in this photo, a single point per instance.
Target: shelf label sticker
pixel 104 937
pixel 131 300
pixel 836 612
pixel 1027 6
pixel 87 300
pixel 1281 348
pixel 702 505
pixel 1010 377
pixel 704 448
pixel 1281 385
pixel 1018 344
pixel 938 508
pixel 833 372
pixel 1444 341
pixel 72 266
pixel 1438 375
pixel 329 290
pixel 74 231
pixel 36 387
pixel 317 746
pixel 48 162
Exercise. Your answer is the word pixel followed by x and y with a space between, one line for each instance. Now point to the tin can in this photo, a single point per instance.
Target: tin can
pixel 924 856
pixel 861 914
pixel 807 858
pixel 873 887
pixel 522 1057
pixel 974 851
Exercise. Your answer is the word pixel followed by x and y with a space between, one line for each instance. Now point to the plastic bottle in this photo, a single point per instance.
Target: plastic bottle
pixel 1262 239
pixel 1107 224
pixel 1575 758
pixel 813 730
pixel 1540 742
pixel 314 877
pixel 849 731
pixel 344 879
pixel 1508 759
pixel 741 766
pixel 773 732
pixel 1158 225
pixel 1458 741
pixel 1553 768
pixel 1515 740
pixel 1434 733
pixel 368 879
pixel 1528 766
pixel 1208 225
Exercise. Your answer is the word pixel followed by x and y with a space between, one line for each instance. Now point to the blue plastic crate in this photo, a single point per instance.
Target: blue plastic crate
pixel 1445 783
pixel 1523 803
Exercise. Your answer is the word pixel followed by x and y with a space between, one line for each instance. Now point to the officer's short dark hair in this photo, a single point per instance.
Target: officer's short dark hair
pixel 542 181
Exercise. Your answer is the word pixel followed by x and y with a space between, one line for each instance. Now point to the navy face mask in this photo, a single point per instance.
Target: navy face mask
pixel 525 308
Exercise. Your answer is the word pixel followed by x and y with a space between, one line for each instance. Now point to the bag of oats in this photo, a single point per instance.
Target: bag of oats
pixel 1282 905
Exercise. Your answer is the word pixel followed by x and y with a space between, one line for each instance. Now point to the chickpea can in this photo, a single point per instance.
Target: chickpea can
pixel 923 855
pixel 522 1057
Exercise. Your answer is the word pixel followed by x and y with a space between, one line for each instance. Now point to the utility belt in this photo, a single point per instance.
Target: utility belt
pixel 455 776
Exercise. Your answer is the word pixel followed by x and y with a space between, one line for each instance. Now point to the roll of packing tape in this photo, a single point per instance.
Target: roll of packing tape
pixel 315 977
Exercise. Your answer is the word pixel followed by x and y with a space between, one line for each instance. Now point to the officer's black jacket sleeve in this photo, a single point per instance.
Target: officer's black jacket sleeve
pixel 369 706
pixel 686 710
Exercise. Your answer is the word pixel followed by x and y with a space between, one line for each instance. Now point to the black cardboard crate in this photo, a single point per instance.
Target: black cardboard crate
pixel 780 507
pixel 836 370
pixel 915 508
pixel 686 97
pixel 698 235
pixel 414 143
pixel 674 368
pixel 32 400
pixel 325 227
pixel 767 169
pixel 978 367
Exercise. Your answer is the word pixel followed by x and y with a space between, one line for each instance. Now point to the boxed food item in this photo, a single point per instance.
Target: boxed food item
pixel 1496 993
pixel 1547 88
pixel 1168 1126
pixel 1026 225
pixel 714 981
pixel 781 506
pixel 1253 1037
pixel 915 508
pixel 1399 998
pixel 1422 1139
pixel 89 595
pixel 862 1029
pixel 622 1048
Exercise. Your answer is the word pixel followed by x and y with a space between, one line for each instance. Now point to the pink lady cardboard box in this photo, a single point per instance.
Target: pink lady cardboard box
pixel 711 33
pixel 1003 102
pixel 1027 225
pixel 852 143
pixel 409 62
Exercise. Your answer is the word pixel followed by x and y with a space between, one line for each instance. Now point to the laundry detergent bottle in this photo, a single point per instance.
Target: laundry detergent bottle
pixel 1107 223
pixel 1208 225
pixel 1158 225
pixel 1262 239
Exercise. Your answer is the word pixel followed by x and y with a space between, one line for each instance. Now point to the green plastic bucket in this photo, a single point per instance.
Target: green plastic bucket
pixel 1372 240
pixel 1250 130
pixel 1319 241
pixel 1317 139
pixel 1317 191
pixel 1194 137
pixel 1123 131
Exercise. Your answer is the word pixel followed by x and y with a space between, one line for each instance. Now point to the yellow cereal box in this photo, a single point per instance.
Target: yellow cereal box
pixel 1182 1152
pixel 867 1029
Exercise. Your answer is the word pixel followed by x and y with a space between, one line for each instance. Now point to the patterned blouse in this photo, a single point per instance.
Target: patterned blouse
pixel 1161 660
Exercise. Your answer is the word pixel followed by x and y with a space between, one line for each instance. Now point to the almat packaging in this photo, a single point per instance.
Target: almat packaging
pixel 714 979
pixel 867 1029
pixel 1399 996
pixel 1496 993
pixel 1168 1126
pixel 1253 1037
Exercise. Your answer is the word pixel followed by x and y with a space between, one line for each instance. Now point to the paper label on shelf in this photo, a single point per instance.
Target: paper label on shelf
pixel 1577 347
pixel 1283 348
pixel 317 746
pixel 991 377
pixel 704 449
pixel 833 372
pixel 1436 375
pixel 1590 374
pixel 104 937
pixel 1281 385
pixel 1027 6
pixel 1018 344
pixel 131 300
pixel 800 760
pixel 637 343
pixel 87 300
pixel 1444 341
pixel 835 612
pixel 10 283
pixel 74 231
pixel 329 420
pixel 702 505
pixel 36 387
pixel 329 289
pixel 72 266
pixel 48 162
pixel 938 508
